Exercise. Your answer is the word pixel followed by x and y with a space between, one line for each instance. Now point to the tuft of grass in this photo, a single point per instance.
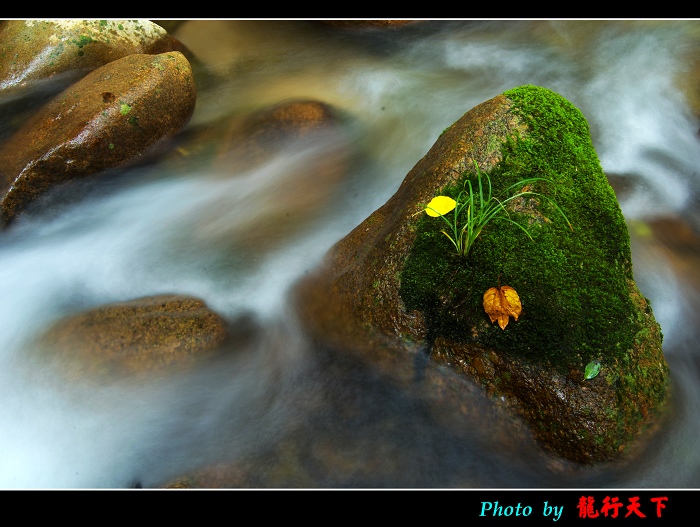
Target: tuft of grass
pixel 482 207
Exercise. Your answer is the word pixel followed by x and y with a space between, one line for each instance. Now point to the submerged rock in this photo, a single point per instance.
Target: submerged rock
pixel 238 143
pixel 114 116
pixel 397 278
pixel 288 158
pixel 264 133
pixel 138 336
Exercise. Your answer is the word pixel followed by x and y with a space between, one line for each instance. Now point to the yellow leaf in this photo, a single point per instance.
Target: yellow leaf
pixel 501 304
pixel 440 205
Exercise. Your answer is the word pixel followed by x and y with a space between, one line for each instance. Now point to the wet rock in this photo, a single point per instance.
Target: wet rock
pixel 266 132
pixel 116 115
pixel 376 449
pixel 239 142
pixel 396 278
pixel 134 337
pixel 36 51
pixel 293 155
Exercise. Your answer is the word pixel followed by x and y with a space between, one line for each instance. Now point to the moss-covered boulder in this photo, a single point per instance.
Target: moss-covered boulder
pixel 397 278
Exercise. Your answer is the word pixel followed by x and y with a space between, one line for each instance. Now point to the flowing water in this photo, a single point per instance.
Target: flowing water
pixel 181 228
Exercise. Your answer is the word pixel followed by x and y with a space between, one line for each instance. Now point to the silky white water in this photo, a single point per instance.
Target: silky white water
pixel 178 228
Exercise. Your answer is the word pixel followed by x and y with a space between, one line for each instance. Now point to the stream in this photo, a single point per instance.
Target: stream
pixel 281 412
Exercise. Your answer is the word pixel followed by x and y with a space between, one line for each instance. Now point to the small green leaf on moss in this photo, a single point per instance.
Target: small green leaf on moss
pixel 592 369
pixel 125 108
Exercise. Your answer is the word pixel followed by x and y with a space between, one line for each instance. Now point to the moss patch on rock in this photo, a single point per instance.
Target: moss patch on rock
pixel 395 288
pixel 574 285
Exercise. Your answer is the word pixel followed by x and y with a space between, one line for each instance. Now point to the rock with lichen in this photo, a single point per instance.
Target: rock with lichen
pixel 37 51
pixel 117 115
pixel 395 289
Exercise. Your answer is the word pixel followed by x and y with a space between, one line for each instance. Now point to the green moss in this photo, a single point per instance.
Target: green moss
pixel 83 40
pixel 574 286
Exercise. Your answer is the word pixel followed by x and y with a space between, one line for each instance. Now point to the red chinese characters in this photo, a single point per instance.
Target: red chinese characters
pixel 611 507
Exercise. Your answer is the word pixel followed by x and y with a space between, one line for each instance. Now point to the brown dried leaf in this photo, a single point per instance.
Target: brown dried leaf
pixel 501 304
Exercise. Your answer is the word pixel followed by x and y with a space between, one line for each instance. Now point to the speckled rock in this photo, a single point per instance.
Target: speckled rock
pixel 39 50
pixel 114 116
pixel 395 278
pixel 134 337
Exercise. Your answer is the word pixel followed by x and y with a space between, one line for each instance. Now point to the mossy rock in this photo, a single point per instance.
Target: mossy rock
pixel 574 283
pixel 398 277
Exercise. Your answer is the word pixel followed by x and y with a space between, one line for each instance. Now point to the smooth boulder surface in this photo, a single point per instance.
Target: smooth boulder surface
pixel 115 116
pixel 139 336
pixel 393 290
pixel 37 51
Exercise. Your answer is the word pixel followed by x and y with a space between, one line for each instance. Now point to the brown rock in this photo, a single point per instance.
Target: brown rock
pixel 137 336
pixel 112 117
pixel 45 49
pixel 260 136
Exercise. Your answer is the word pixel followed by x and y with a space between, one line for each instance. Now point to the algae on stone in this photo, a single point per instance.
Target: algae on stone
pixel 579 299
pixel 573 285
